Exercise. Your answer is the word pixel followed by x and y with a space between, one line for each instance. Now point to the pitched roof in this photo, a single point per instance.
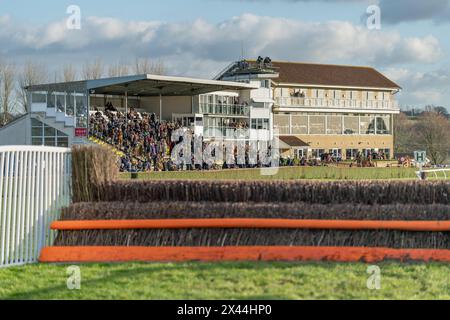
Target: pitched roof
pixel 332 75
pixel 293 141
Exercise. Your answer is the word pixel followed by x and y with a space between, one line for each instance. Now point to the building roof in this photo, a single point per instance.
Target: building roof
pixel 145 85
pixel 293 141
pixel 331 75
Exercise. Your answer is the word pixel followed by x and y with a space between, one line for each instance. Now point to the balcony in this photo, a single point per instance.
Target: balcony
pixel 223 109
pixel 224 132
pixel 336 103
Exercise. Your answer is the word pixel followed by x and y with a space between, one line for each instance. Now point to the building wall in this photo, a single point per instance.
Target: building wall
pixel 358 142
pixel 17 133
pixel 170 105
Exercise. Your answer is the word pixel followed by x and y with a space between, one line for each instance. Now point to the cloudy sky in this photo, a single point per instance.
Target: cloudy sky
pixel 201 37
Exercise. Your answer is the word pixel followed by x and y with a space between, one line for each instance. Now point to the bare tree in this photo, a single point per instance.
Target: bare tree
pixel 404 131
pixel 7 81
pixel 433 133
pixel 69 73
pixel 147 66
pixel 118 69
pixel 94 70
pixel 31 74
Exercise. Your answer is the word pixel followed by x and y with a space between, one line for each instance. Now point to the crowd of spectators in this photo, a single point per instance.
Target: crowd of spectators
pixel 145 141
pixel 146 144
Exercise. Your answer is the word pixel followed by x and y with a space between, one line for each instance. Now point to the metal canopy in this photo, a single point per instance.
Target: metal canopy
pixel 152 85
pixel 147 86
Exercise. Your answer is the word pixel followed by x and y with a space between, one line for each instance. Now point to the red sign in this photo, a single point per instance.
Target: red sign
pixel 81 132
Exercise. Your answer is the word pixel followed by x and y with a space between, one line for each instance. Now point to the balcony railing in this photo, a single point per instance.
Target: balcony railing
pixel 336 103
pixel 224 109
pixel 225 132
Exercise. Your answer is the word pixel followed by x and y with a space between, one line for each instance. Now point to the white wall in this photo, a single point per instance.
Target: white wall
pixel 170 105
pixel 16 133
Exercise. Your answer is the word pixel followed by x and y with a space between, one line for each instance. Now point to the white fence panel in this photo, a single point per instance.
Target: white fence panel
pixel 35 183
pixel 442 173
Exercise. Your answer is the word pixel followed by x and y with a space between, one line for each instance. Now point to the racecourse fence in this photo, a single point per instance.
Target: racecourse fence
pixel 35 183
pixel 440 173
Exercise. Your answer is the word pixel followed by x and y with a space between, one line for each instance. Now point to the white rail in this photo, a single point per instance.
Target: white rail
pixel 35 183
pixel 421 174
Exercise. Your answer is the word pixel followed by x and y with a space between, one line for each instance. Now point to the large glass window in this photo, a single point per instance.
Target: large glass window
pixel 60 99
pixel 334 124
pixel 44 135
pixel 81 111
pixel 299 124
pixel 70 104
pixel 50 100
pixel 367 125
pixel 351 124
pixel 260 124
pixel 317 124
pixel 384 125
pixel 281 123
pixel 37 97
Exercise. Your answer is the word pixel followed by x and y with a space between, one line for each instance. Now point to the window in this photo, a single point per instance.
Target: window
pixel 351 125
pixel 60 99
pixel 281 123
pixel 299 124
pixel 334 124
pixel 383 124
pixel 367 125
pixel 37 97
pixel 44 135
pixel 265 84
pixel 351 154
pixel 260 124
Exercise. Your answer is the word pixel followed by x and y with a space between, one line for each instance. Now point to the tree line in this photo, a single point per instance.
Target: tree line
pixel 427 130
pixel 14 79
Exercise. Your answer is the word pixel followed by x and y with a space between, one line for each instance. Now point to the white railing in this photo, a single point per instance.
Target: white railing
pixel 35 183
pixel 423 174
pixel 336 103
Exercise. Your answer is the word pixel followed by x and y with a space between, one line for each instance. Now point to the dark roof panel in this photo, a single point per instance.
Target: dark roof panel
pixel 293 141
pixel 332 75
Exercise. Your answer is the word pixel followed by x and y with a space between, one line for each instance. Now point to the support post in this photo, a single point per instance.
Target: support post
pixel 160 106
pixel 126 107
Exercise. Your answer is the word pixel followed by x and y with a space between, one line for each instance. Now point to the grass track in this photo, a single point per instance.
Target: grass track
pixel 227 281
pixel 286 173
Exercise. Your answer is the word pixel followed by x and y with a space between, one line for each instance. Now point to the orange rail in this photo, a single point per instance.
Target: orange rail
pixel 430 226
pixel 179 254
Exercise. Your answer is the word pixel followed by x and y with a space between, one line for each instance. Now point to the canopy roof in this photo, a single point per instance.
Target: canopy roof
pixel 286 142
pixel 145 85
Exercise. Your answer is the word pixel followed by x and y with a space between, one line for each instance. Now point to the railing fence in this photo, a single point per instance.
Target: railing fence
pixel 440 173
pixel 35 183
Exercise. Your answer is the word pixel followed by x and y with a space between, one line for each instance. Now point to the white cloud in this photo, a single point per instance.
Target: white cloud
pixel 200 48
pixel 422 88
pixel 333 41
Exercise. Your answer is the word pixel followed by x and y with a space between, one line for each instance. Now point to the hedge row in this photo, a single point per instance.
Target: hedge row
pixel 254 237
pixel 283 210
pixel 363 192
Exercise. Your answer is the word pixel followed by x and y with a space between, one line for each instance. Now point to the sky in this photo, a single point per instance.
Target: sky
pixel 199 38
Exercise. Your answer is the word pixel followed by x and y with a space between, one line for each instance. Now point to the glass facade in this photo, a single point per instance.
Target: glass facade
pixel 332 124
pixel 44 135
pixel 70 103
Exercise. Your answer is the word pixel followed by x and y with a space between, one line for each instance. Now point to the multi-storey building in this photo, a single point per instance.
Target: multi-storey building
pixel 314 109
pixel 317 108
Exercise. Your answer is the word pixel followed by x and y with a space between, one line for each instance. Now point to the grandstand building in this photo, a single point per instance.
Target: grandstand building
pixel 317 108
pixel 314 109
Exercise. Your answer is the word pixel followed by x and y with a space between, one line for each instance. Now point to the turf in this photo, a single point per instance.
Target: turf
pixel 227 281
pixel 286 173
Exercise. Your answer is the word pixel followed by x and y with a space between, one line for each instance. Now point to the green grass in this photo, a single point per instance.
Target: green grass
pixel 227 281
pixel 286 173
